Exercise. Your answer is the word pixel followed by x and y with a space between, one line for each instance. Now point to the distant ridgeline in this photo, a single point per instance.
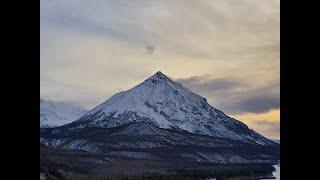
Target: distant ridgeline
pixel 58 113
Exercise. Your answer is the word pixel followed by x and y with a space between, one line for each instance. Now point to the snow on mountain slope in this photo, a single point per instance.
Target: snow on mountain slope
pixel 159 143
pixel 58 113
pixel 168 105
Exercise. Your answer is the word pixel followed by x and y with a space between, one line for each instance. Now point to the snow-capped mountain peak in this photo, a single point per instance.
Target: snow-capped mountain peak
pixel 159 75
pixel 157 98
pixel 167 104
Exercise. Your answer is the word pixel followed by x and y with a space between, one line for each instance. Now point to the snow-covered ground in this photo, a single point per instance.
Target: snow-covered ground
pixel 276 173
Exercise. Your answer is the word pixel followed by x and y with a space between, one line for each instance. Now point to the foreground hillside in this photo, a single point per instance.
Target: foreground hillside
pixel 74 164
pixel 145 140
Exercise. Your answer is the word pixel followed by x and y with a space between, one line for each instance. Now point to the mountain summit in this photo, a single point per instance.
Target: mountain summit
pixel 160 113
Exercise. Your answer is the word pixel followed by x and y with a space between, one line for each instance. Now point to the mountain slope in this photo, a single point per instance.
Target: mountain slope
pixel 58 113
pixel 144 140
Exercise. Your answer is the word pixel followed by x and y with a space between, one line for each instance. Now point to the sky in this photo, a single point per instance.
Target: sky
pixel 225 50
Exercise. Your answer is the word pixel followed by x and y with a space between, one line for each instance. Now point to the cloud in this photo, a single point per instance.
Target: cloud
pixel 267 123
pixel 267 128
pixel 236 96
pixel 206 29
pixel 256 104
pixel 201 83
pixel 225 50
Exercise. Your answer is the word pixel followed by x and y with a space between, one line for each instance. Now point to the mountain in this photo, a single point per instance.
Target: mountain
pixel 158 118
pixel 168 105
pixel 58 113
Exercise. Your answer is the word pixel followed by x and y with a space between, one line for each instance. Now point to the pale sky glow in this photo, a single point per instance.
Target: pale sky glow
pixel 225 50
pixel 268 123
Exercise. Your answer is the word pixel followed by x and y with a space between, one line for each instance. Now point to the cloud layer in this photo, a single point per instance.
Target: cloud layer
pixel 227 50
pixel 235 96
pixel 267 123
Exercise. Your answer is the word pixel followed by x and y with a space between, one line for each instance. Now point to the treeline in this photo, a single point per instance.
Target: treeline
pixel 218 172
pixel 65 165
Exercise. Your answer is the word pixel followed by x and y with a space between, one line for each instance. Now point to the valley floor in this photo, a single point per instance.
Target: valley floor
pixel 70 164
